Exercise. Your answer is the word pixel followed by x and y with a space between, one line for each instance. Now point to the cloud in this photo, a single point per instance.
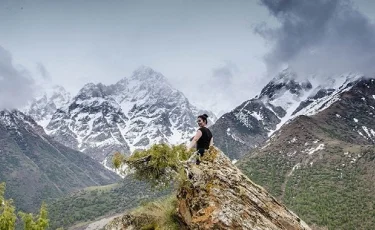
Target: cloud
pixel 320 36
pixel 223 75
pixel 16 86
pixel 43 72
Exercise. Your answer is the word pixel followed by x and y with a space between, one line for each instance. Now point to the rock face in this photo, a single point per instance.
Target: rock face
pixel 220 196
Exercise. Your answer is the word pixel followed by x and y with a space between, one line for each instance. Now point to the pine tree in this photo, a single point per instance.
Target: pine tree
pixel 159 165
pixel 8 216
pixel 7 211
pixel 40 222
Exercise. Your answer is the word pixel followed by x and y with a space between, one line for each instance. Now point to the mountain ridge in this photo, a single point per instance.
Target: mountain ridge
pixel 280 101
pixel 32 161
pixel 134 113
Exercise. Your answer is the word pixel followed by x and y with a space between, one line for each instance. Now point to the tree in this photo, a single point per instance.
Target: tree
pixel 8 216
pixel 7 211
pixel 40 222
pixel 159 165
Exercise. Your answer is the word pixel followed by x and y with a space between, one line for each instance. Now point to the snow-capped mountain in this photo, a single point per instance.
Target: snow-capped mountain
pixel 134 113
pixel 42 108
pixel 281 100
pixel 36 167
pixel 322 160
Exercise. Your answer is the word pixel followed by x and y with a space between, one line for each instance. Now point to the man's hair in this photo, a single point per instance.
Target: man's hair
pixel 203 117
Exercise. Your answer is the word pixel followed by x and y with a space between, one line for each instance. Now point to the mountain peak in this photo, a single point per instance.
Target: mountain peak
pixel 285 76
pixel 287 80
pixel 16 120
pixel 144 73
pixel 93 90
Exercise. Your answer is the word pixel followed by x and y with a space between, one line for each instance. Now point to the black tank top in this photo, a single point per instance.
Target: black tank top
pixel 204 140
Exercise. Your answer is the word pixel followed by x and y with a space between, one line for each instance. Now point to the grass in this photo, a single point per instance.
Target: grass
pixel 163 213
pixel 96 202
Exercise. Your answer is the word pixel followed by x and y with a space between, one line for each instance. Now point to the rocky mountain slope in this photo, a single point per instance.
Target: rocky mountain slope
pixel 35 167
pixel 323 165
pixel 134 113
pixel 42 108
pixel 282 99
pixel 218 196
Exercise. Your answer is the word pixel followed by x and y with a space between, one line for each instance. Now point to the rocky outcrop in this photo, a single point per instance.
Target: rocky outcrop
pixel 219 196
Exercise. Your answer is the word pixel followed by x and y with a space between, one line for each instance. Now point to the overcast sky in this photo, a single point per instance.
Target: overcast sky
pixel 229 46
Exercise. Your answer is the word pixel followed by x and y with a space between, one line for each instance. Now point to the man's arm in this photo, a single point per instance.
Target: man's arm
pixel 195 139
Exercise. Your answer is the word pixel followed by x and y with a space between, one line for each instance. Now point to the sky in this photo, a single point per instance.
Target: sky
pixel 218 53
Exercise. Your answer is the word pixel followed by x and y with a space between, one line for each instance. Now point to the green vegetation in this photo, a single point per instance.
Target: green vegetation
pixel 326 197
pixel 8 216
pixel 37 169
pixel 158 165
pixel 160 214
pixel 95 202
pixel 157 172
pixel 268 171
pixel 332 192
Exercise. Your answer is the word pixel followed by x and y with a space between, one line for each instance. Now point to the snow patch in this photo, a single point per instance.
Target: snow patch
pixel 359 132
pixel 367 131
pixel 313 150
pixel 257 116
pixel 297 166
pixel 290 154
pixel 293 140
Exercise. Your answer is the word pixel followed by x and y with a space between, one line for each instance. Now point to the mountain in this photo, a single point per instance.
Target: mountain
pixel 285 97
pixel 42 108
pixel 93 203
pixel 35 167
pixel 323 165
pixel 134 113
pixel 217 196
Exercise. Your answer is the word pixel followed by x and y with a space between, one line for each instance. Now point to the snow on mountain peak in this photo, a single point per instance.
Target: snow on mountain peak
pixel 285 83
pixel 285 76
pixel 131 114
pixel 91 90
pixel 43 107
pixel 15 120
pixel 145 73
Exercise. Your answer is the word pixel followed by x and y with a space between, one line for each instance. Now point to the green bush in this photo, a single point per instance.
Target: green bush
pixel 8 217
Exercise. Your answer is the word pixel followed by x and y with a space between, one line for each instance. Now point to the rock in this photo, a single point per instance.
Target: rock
pixel 220 196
